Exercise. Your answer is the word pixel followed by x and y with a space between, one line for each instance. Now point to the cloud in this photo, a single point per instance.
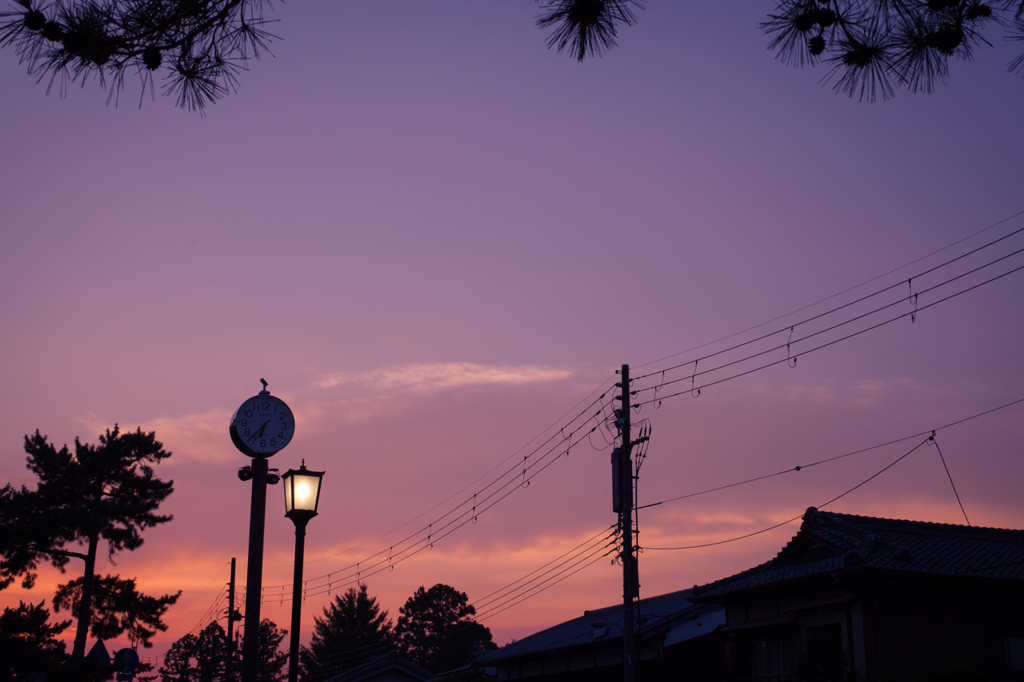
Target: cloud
pixel 192 437
pixel 434 376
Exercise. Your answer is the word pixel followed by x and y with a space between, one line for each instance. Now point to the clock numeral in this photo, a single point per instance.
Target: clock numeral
pixel 243 423
pixel 273 442
pixel 248 413
pixel 246 432
pixel 281 435
pixel 263 442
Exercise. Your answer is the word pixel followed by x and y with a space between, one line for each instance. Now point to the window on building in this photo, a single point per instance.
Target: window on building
pixel 823 657
pixel 1015 653
pixel 774 659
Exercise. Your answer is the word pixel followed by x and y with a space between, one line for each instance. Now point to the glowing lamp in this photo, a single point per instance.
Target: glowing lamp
pixel 301 492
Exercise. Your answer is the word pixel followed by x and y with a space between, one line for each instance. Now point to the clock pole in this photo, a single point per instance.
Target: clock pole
pixel 250 433
pixel 254 571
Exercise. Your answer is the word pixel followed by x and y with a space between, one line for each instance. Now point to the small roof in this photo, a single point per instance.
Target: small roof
pixel 830 541
pixel 594 627
pixel 377 665
pixel 99 652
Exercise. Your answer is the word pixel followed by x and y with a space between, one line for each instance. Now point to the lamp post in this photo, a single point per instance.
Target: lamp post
pixel 301 497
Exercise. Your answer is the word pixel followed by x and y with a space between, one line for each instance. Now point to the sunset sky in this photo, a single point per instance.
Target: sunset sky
pixel 437 240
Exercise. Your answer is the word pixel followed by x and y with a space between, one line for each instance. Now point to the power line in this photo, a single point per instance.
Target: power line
pixel 820 506
pixel 953 485
pixel 789 342
pixel 598 553
pixel 829 298
pixel 523 586
pixel 424 537
pixel 789 358
pixel 427 542
pixel 912 297
pixel 580 559
pixel 602 386
pixel 801 467
pixel 379 562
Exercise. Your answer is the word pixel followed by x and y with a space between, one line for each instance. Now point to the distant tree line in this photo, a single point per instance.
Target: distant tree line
pixel 206 656
pixel 436 630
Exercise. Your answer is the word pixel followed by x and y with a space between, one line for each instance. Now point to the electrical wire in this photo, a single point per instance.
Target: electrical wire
pixel 819 347
pixel 828 298
pixel 798 516
pixel 523 586
pixel 496 602
pixel 801 467
pixel 586 553
pixel 474 499
pixel 790 328
pixel 424 543
pixel 953 485
pixel 790 341
pixel 377 561
pixel 513 472
pixel 600 387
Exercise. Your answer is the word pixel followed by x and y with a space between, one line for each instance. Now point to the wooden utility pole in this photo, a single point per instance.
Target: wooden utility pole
pixel 229 672
pixel 623 482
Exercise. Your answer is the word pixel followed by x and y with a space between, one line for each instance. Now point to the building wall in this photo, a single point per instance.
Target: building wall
pixel 914 625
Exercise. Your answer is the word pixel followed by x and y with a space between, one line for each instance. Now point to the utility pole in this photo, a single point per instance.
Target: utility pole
pixel 233 615
pixel 622 492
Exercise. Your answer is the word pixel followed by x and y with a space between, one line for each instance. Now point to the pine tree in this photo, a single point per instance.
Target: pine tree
pixel 198 46
pixel 118 607
pixel 104 493
pixel 28 642
pixel 352 629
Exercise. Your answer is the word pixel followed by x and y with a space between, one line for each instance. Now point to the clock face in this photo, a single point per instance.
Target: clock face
pixel 262 426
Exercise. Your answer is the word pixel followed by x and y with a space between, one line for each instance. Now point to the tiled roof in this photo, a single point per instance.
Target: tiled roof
pixel 593 627
pixel 830 541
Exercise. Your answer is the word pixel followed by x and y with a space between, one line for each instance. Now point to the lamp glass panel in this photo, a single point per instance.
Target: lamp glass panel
pixel 305 492
pixel 301 490
pixel 287 493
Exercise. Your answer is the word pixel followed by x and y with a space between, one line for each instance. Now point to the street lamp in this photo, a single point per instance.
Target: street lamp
pixel 301 497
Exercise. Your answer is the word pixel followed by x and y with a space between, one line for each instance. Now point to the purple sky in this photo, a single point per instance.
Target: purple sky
pixel 434 237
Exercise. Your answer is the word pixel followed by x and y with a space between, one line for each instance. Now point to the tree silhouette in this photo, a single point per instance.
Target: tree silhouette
pixel 872 47
pixel 203 657
pixel 197 658
pixel 106 492
pixel 28 642
pixel 198 45
pixel 272 659
pixel 587 27
pixel 353 628
pixel 436 629
pixel 118 607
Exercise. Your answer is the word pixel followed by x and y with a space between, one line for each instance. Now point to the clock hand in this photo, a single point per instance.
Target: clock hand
pixel 259 432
